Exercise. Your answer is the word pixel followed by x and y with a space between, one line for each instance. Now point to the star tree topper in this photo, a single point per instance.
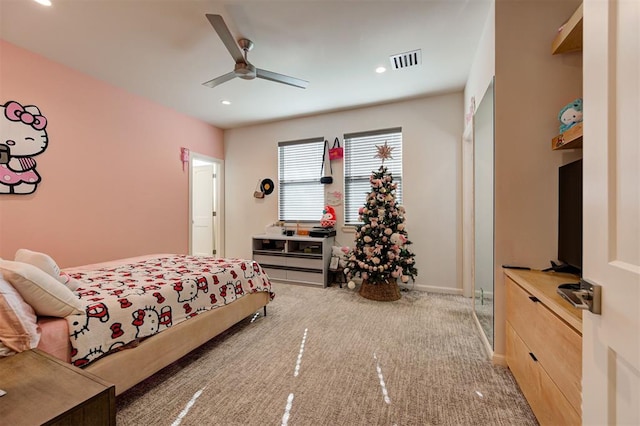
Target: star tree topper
pixel 384 152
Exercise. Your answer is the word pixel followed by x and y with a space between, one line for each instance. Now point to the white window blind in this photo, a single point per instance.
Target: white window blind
pixel 301 195
pixel 359 162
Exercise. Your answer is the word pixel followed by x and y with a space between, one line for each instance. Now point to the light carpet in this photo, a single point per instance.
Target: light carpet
pixel 330 357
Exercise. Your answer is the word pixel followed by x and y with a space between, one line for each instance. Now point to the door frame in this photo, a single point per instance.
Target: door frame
pixel 218 202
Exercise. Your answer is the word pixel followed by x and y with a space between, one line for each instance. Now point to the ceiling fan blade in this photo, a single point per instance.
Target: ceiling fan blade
pixel 225 35
pixel 281 78
pixel 219 80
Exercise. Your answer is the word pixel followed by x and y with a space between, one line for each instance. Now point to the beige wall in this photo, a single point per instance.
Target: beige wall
pixel 431 172
pixel 480 76
pixel 483 67
pixel 531 87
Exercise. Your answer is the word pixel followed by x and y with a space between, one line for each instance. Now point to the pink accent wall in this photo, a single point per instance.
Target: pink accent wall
pixel 112 181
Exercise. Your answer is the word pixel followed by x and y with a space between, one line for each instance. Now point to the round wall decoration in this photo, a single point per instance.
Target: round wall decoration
pixel 267 186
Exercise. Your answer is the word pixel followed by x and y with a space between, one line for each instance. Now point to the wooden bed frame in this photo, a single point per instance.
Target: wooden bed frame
pixel 129 367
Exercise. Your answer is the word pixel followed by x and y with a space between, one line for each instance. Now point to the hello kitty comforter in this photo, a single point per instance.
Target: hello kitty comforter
pixel 131 301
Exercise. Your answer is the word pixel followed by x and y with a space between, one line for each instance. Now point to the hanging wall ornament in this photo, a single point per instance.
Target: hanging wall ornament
pixel 23 135
pixel 267 186
pixel 258 193
pixel 334 198
pixel 326 170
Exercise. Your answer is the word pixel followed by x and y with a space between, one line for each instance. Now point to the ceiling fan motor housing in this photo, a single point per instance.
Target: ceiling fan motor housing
pixel 245 70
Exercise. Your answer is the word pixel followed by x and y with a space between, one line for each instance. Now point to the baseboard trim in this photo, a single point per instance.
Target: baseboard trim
pixel 487 346
pixel 499 359
pixel 433 289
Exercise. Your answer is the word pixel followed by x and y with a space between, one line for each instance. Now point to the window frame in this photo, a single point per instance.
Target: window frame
pixel 310 180
pixel 359 177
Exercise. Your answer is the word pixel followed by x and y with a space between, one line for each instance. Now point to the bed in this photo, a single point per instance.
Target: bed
pixel 127 319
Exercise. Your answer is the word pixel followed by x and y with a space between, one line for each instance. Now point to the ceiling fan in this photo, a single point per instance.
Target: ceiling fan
pixel 244 69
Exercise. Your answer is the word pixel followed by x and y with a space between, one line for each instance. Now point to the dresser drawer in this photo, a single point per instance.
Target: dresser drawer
pixel 548 403
pixel 270 260
pixel 275 274
pixel 556 345
pixel 301 262
pixel 306 277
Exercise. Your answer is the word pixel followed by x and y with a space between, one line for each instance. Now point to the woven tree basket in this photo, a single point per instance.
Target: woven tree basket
pixel 384 292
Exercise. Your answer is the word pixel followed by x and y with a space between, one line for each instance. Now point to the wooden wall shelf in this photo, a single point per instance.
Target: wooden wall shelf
pixel 571 139
pixel 569 38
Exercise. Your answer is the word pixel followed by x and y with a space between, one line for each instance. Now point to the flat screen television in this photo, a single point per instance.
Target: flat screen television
pixel 570 217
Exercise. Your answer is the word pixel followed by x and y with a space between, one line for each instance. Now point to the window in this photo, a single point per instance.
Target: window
pixel 359 163
pixel 301 195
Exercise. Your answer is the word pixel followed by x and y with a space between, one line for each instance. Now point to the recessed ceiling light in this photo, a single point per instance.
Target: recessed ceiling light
pixel 44 2
pixel 225 102
pixel 380 70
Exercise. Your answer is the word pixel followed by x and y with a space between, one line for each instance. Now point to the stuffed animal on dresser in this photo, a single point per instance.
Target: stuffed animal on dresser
pixel 570 115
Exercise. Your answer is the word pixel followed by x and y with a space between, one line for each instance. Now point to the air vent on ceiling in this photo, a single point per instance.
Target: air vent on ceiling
pixel 406 60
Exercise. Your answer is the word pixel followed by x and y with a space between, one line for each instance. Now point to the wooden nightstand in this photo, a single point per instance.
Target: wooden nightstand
pixel 44 390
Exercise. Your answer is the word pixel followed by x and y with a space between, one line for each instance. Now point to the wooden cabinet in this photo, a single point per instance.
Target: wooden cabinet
pixel 544 345
pixel 44 390
pixel 295 258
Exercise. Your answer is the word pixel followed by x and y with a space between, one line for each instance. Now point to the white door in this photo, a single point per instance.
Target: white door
pixel 203 214
pixel 611 342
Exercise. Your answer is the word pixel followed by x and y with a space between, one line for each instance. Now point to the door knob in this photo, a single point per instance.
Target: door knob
pixel 584 295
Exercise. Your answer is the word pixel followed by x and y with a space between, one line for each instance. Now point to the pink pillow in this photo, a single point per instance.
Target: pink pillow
pixel 18 328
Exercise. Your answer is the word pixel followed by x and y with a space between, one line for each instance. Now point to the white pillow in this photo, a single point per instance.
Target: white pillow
pixel 48 265
pixel 46 295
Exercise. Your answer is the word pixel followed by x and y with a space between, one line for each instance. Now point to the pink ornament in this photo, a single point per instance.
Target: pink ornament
pixel 405 279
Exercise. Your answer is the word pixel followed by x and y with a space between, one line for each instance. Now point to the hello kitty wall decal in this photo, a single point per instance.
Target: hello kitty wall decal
pixel 23 135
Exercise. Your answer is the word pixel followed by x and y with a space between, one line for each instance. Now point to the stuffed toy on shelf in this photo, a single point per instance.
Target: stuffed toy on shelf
pixel 570 115
pixel 328 217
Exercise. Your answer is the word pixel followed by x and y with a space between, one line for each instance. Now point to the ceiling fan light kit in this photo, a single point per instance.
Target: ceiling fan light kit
pixel 243 68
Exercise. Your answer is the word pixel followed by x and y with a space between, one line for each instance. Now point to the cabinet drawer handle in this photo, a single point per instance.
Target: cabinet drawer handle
pixel 533 357
pixel 534 299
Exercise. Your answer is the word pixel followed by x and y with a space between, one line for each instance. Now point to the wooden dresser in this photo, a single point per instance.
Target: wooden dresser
pixel 44 390
pixel 544 345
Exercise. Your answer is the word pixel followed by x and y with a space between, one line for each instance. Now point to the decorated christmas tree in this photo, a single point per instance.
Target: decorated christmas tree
pixel 381 255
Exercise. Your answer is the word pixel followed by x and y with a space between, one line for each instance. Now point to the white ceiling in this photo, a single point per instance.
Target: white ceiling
pixel 164 50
